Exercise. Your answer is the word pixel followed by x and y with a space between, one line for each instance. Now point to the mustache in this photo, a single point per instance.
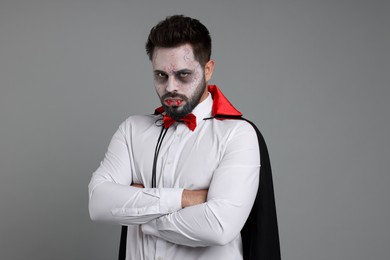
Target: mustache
pixel 174 95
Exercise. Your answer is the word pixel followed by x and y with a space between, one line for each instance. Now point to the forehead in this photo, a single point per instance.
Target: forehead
pixel 174 58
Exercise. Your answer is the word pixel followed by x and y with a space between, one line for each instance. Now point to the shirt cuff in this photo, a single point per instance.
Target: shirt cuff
pixel 170 199
pixel 150 228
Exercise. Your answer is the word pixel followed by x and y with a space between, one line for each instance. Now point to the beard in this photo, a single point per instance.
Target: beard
pixel 177 112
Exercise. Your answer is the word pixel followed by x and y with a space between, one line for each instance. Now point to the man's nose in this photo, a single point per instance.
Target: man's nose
pixel 172 85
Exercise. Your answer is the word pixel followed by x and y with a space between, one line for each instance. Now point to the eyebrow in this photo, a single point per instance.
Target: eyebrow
pixel 175 72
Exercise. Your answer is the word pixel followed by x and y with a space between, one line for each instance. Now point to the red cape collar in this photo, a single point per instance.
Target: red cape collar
pixel 221 105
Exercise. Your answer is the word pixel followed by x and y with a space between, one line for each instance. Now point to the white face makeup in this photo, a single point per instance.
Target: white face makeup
pixel 179 79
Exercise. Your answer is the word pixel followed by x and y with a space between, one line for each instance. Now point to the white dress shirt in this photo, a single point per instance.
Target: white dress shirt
pixel 219 155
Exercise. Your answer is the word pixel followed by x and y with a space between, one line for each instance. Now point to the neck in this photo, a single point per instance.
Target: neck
pixel 204 95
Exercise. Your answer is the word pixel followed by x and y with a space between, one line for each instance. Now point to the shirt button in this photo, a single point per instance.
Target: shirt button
pixel 160 258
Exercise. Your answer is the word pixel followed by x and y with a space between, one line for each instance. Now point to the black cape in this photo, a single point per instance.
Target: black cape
pixel 260 236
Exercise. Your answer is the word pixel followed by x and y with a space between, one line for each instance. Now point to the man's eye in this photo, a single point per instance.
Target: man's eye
pixel 183 74
pixel 160 75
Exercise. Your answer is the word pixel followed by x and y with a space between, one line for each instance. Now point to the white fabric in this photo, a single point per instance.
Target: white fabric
pixel 220 155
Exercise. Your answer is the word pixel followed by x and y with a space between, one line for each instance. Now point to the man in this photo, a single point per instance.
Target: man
pixel 183 180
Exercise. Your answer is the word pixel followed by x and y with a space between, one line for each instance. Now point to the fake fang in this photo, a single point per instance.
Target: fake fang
pixel 173 102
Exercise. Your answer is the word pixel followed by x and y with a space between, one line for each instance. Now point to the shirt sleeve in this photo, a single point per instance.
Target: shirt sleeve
pixel 112 199
pixel 230 198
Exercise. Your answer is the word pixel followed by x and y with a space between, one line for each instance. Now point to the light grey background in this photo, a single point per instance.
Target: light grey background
pixel 313 75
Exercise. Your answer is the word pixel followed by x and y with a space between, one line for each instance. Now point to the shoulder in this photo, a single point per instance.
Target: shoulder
pixel 235 125
pixel 228 130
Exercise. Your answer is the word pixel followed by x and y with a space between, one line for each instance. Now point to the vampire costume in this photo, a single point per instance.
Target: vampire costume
pixel 260 236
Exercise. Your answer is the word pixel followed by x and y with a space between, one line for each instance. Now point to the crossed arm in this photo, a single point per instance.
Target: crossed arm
pixel 188 198
pixel 188 217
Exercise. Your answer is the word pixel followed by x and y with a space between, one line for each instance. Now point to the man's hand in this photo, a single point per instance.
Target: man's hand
pixel 193 197
pixel 137 185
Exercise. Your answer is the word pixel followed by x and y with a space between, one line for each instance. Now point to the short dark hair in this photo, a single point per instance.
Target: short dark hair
pixel 177 30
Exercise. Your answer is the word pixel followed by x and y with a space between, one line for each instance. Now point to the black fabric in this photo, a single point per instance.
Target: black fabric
pixel 122 244
pixel 260 235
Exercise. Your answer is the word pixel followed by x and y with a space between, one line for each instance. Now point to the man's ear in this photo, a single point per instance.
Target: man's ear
pixel 208 70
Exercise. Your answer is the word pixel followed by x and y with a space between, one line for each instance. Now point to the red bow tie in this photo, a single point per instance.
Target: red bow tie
pixel 189 120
